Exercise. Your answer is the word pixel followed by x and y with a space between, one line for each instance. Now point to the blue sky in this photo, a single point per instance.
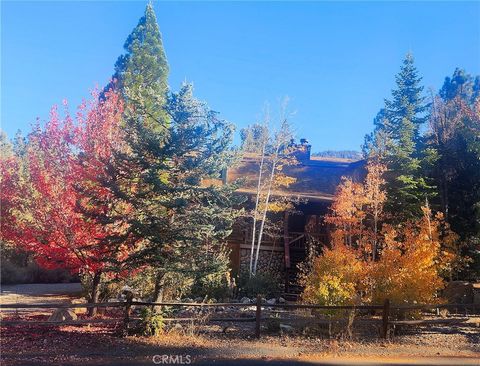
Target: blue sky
pixel 335 61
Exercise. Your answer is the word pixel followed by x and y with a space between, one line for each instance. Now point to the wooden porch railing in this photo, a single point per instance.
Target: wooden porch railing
pixel 298 240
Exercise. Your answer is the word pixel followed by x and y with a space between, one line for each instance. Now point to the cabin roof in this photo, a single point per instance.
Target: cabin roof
pixel 317 178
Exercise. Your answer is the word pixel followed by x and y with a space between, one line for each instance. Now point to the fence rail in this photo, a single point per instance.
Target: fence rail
pixel 290 306
pixel 385 321
pixel 63 305
pixel 64 322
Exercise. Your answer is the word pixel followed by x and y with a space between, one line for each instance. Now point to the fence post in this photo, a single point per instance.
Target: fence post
pixel 128 309
pixel 385 318
pixel 258 316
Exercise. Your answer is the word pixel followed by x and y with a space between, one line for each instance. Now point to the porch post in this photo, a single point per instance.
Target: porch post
pixel 286 239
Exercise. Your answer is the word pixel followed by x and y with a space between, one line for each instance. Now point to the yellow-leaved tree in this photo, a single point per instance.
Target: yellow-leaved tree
pixel 347 213
pixel 335 277
pixel 415 260
pixel 370 261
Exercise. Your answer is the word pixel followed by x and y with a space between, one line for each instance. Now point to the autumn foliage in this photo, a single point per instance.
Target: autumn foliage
pixel 412 261
pixel 371 260
pixel 41 205
pixel 335 277
pixel 357 210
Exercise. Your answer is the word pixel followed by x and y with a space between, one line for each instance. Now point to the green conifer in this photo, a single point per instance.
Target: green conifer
pixel 141 73
pixel 397 142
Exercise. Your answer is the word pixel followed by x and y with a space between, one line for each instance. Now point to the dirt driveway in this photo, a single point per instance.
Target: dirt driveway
pixel 38 293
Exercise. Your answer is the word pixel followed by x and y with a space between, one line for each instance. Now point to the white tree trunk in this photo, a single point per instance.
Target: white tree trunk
pixel 259 184
pixel 265 209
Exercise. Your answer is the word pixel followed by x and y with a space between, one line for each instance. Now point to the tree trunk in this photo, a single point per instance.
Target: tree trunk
pixel 445 197
pixel 158 291
pixel 259 186
pixel 286 238
pixel 264 215
pixel 95 294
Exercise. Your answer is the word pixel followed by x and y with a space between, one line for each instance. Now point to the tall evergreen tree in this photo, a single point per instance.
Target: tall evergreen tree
pixel 397 142
pixel 405 112
pixel 180 219
pixel 141 73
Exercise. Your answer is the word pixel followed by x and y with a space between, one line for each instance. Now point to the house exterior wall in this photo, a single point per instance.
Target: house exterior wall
pixel 269 261
pixel 315 185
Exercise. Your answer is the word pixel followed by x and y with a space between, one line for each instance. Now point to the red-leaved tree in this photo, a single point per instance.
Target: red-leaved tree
pixel 63 160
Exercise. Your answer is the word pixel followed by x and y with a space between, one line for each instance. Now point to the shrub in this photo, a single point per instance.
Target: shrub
pixel 336 277
pixel 151 323
pixel 216 285
pixel 273 324
pixel 263 283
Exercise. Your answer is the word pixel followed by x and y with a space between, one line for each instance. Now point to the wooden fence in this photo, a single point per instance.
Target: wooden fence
pixel 386 310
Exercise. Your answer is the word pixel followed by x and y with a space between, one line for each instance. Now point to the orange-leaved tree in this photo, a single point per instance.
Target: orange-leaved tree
pixel 413 259
pixel 406 263
pixel 347 216
pixel 375 197
pixel 357 210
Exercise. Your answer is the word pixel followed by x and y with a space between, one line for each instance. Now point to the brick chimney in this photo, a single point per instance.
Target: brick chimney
pixel 302 150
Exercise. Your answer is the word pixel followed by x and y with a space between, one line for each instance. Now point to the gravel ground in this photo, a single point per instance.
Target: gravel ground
pixel 95 346
pixel 38 292
pixel 91 345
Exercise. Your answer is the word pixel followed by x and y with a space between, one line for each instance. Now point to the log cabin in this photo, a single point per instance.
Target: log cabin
pixel 316 181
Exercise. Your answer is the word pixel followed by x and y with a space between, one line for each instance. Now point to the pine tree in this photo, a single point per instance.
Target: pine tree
pixel 252 137
pixel 396 141
pixel 405 113
pixel 157 176
pixel 141 73
pixel 180 219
